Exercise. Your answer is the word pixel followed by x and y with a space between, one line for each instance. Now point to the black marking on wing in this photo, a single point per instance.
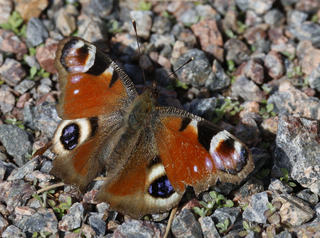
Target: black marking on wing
pixel 185 122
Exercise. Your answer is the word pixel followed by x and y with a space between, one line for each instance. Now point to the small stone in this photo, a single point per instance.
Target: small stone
pixel 208 33
pixel 208 228
pixel 97 224
pixel 214 52
pixel 6 169
pixel 276 36
pixel 249 107
pixel 274 17
pixel 32 8
pixel 236 51
pixel 178 49
pixel 269 128
pixel 5 11
pixel 314 78
pixel 161 25
pixel 92 30
pixel 206 11
pixel 229 22
pixel 197 71
pixel 306 31
pixel 144 21
pixel 23 99
pixel 18 195
pixel 296 17
pixel 24 211
pixel 13 231
pixel 231 213
pixel 46 119
pixel 202 107
pixel 277 185
pixel 311 229
pixel 218 79
pixel 255 33
pixel 308 55
pixel 16 141
pixel 112 225
pixel 24 86
pixel 39 176
pixel 252 18
pixel 274 64
pixel 190 16
pixel 3 224
pixel 43 220
pixel 308 196
pixel 12 72
pixel 36 32
pixel 293 211
pixel 160 41
pixel 297 151
pixel 308 6
pixel 11 43
pixel 31 61
pixel 260 6
pixel 256 208
pixel 185 225
pixel 291 100
pixel 248 132
pixel 7 101
pixel 254 70
pixel 46 55
pixel 187 36
pixel 100 8
pixel 27 168
pixel 247 89
pixel 138 228
pixel 73 219
pixel 65 22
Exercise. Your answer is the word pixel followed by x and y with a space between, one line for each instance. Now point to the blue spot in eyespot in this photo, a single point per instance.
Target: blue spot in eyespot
pixel 161 188
pixel 70 136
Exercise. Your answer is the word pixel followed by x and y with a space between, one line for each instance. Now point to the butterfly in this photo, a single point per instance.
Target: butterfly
pixel 150 153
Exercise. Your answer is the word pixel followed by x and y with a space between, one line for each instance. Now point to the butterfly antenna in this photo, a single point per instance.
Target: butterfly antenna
pixel 192 58
pixel 135 30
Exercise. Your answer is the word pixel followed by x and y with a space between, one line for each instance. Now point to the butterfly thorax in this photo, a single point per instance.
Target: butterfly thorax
pixel 141 108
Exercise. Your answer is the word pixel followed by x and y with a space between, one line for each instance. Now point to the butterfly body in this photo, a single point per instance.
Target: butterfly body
pixel 150 153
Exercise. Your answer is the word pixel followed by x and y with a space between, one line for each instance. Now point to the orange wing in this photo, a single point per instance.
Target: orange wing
pixel 95 92
pixel 91 83
pixel 197 153
pixel 141 187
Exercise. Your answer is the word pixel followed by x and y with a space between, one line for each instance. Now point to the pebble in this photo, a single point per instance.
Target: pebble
pixel 247 89
pixel 7 101
pixel 24 86
pixel 36 32
pixel 16 141
pixel 236 51
pixel 10 43
pixel 46 54
pixel 197 71
pixel 185 225
pixel 274 64
pixel 29 9
pixel 218 79
pixel 207 32
pixel 12 72
pixel 257 206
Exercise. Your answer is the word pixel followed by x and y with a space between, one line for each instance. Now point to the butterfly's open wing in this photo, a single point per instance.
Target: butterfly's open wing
pixel 142 186
pixel 94 94
pixel 91 83
pixel 198 153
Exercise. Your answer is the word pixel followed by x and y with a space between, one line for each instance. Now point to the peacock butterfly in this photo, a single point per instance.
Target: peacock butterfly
pixel 150 153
